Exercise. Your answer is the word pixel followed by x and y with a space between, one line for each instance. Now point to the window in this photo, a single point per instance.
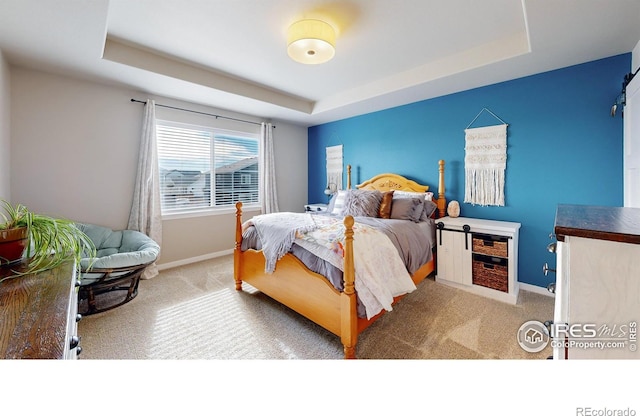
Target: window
pixel 188 154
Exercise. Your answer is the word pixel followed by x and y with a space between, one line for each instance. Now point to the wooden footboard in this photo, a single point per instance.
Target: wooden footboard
pixel 308 293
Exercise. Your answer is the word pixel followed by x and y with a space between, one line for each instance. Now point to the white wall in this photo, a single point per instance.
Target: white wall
pixel 631 154
pixel 74 147
pixel 74 150
pixel 5 148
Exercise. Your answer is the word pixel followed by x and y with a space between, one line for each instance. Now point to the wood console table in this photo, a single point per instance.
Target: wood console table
pixel 38 315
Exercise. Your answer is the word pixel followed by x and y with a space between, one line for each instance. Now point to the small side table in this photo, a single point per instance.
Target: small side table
pixel 315 207
pixel 480 256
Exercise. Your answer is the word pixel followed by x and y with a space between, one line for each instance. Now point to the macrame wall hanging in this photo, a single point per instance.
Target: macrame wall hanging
pixel 485 162
pixel 334 168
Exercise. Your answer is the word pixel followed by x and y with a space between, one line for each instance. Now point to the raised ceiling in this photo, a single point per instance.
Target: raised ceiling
pixel 231 54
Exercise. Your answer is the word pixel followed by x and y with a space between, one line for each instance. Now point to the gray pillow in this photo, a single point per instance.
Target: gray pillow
pixel 407 209
pixel 429 205
pixel 362 203
pixel 429 208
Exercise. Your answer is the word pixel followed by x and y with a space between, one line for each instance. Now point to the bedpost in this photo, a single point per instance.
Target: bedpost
pixel 348 313
pixel 442 201
pixel 237 251
pixel 348 176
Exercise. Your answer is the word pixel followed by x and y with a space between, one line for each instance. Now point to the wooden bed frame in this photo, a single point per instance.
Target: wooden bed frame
pixel 311 294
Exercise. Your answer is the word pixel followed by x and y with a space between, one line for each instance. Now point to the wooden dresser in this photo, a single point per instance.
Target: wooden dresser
pixel 597 305
pixel 38 315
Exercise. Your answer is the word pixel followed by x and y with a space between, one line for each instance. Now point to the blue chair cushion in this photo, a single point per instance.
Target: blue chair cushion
pixel 116 249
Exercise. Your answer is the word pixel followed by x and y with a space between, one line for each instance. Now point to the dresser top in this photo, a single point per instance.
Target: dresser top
pixel 34 313
pixel 620 224
pixel 480 225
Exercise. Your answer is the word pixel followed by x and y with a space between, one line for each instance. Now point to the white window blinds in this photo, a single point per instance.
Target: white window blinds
pixel 187 157
pixel 236 161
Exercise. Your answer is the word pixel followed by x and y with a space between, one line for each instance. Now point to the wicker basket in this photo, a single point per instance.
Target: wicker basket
pixel 491 245
pixel 491 272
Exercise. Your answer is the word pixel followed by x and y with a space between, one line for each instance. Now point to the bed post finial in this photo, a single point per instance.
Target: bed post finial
pixel 238 247
pixel 348 176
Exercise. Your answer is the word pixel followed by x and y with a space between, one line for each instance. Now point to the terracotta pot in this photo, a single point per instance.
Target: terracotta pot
pixel 12 245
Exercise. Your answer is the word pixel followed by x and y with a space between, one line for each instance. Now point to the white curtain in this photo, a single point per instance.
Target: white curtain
pixel 268 191
pixel 334 168
pixel 145 213
pixel 484 164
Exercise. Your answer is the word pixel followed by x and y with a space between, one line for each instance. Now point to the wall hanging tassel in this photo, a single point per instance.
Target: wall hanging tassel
pixel 334 168
pixel 484 164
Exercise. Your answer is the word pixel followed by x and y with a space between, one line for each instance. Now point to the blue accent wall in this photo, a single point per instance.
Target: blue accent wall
pixel 563 147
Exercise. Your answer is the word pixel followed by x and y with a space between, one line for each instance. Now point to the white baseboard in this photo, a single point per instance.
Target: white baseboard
pixel 196 259
pixel 535 289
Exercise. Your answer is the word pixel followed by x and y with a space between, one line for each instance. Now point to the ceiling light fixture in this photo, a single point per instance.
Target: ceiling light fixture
pixel 311 41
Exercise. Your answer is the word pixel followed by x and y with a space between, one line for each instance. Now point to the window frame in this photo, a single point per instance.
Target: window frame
pixel 193 212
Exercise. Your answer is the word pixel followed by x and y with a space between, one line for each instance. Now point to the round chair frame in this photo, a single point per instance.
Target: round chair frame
pixel 127 282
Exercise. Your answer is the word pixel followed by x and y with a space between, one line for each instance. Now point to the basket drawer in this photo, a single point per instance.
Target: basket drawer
pixel 491 272
pixel 491 245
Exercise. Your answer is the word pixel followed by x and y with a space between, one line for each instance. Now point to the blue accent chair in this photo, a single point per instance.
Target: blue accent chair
pixel 111 278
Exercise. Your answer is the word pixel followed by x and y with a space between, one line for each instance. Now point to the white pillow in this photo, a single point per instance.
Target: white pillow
pixel 428 196
pixel 338 203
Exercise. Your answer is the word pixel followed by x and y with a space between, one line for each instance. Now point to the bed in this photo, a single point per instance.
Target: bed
pixel 313 295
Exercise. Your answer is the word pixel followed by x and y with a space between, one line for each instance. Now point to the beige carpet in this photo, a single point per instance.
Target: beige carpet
pixel 194 312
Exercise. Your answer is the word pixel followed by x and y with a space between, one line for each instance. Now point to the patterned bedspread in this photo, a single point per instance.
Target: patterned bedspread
pixel 381 274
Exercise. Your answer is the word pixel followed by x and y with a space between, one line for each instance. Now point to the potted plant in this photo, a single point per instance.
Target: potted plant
pixel 39 241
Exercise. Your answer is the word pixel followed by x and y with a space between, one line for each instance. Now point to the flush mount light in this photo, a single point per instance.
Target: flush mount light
pixel 311 41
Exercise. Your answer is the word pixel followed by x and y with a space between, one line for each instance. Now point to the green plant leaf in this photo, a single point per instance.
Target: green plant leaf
pixel 52 241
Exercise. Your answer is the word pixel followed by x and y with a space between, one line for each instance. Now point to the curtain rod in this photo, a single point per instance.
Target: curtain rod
pixel 133 100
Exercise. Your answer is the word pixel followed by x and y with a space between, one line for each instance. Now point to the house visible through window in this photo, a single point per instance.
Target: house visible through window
pixel 187 154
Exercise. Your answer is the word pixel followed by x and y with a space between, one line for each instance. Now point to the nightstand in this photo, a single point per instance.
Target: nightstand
pixel 315 207
pixel 480 256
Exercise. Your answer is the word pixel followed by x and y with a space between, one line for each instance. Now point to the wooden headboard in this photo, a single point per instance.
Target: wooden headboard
pixel 394 182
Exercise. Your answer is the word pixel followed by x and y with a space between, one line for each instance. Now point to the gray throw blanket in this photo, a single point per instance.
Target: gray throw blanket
pixel 277 231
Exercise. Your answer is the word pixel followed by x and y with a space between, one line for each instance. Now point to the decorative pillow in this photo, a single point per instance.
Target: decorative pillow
pixel 385 205
pixel 362 203
pixel 429 205
pixel 407 209
pixel 429 208
pixel 338 202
